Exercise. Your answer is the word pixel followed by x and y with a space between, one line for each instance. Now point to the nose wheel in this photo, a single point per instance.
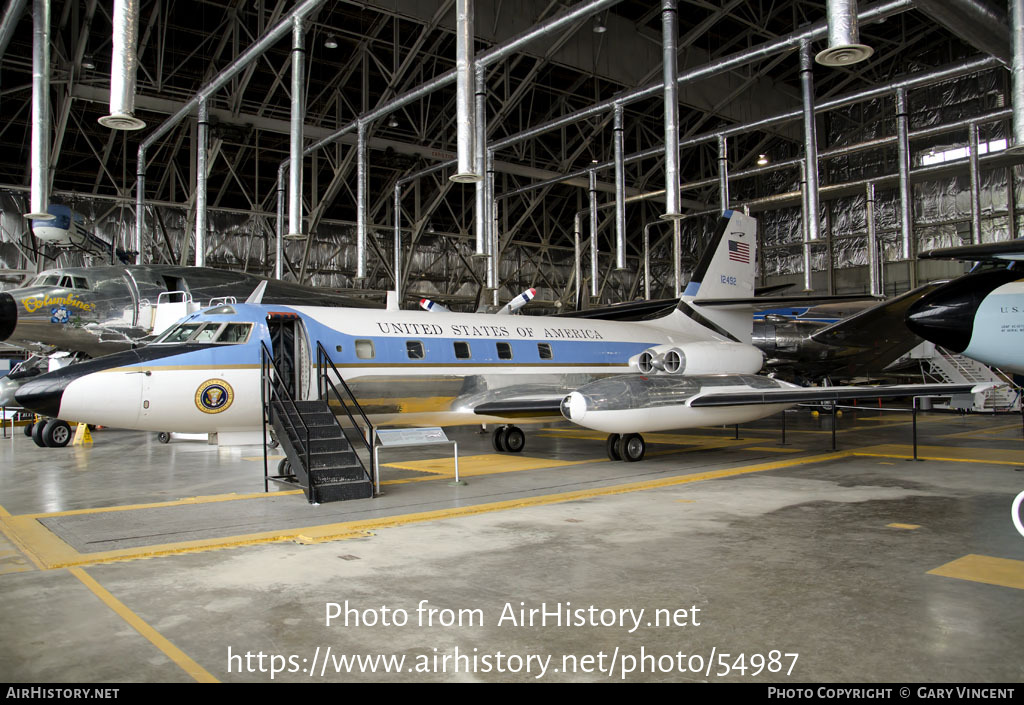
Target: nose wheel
pixel 629 447
pixel 508 439
pixel 53 433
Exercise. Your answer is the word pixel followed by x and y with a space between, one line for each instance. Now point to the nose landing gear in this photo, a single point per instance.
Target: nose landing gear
pixel 629 447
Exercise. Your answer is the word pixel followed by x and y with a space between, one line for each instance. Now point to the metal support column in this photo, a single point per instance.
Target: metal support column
pixel 202 148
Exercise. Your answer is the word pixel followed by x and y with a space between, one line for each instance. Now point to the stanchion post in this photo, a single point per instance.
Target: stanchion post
pixel 783 429
pixel 835 409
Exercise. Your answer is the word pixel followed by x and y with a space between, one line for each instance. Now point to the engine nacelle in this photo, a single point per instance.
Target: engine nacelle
pixel 699 358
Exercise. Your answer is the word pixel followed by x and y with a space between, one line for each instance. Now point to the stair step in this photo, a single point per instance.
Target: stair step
pixel 339 491
pixel 326 476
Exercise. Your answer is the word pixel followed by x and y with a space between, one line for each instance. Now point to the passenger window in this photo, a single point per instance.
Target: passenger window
pixel 504 351
pixel 545 351
pixel 81 283
pixel 364 350
pixel 207 334
pixel 462 351
pixel 414 349
pixel 234 333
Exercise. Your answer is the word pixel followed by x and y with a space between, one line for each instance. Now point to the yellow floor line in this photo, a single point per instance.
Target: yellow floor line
pixel 976 432
pixel 990 456
pixel 172 503
pixel 771 449
pixel 48 551
pixel 909 527
pixel 488 464
pixel 172 652
pixel 984 569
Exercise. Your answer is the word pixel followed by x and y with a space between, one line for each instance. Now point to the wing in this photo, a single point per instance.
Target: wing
pixel 836 394
pixel 987 252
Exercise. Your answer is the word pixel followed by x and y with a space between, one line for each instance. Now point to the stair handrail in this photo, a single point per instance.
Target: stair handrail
pixel 321 374
pixel 266 362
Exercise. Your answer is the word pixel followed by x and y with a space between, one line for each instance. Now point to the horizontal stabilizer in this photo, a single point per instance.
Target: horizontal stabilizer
pixel 836 394
pixel 770 301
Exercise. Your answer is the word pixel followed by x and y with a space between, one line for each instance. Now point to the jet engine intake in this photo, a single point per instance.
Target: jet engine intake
pixel 699 358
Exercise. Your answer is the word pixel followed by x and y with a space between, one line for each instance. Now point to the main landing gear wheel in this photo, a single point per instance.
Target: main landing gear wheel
pixel 508 439
pixel 37 433
pixel 163 437
pixel 515 439
pixel 57 433
pixel 498 439
pixel 612 446
pixel 632 447
pixel 51 434
pixel 28 429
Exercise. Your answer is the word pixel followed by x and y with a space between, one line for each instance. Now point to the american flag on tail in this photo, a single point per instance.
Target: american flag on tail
pixel 739 252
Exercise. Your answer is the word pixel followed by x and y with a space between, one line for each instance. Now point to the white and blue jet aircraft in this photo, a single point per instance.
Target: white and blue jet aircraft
pixel 694 366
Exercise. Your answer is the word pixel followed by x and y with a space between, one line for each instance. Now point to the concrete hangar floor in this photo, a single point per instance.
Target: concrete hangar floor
pixel 130 560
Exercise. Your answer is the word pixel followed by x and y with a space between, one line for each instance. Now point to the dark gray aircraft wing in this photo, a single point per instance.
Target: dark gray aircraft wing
pixel 987 252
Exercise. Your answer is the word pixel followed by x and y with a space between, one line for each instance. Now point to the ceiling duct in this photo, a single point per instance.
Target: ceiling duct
pixel 1017 75
pixel 124 63
pixel 982 23
pixel 465 95
pixel 844 47
pixel 40 154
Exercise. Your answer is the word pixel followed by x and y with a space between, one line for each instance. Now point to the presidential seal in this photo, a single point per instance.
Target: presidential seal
pixel 214 396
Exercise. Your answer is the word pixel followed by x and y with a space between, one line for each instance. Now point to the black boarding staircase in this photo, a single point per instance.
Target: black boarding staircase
pixel 318 455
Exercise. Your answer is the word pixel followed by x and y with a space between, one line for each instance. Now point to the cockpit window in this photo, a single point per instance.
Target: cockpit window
pixel 67 283
pixel 207 334
pixel 46 280
pixel 81 283
pixel 234 333
pixel 179 334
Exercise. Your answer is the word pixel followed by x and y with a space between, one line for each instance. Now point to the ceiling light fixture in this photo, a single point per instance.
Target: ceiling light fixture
pixel 599 27
pixel 88 63
pixel 331 42
pixel 762 160
pixel 392 122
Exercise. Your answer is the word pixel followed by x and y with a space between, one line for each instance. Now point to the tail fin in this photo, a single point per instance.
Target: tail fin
pixel 726 271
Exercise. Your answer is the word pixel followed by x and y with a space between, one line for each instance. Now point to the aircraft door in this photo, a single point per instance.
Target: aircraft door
pixel 290 347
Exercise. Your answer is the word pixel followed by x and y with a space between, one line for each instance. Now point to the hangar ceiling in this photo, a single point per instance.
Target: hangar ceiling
pixel 386 47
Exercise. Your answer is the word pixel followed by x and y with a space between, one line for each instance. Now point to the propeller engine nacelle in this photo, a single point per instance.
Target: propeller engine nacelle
pixel 699 358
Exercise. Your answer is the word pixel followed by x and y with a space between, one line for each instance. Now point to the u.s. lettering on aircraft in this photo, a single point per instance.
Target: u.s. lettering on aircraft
pixel 694 366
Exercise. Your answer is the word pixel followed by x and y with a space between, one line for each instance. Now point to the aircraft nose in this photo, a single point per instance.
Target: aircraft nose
pixel 8 315
pixel 574 407
pixel 43 394
pixel 943 320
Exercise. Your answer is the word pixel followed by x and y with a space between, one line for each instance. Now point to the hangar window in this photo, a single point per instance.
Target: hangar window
pixel 462 351
pixel 364 350
pixel 544 349
pixel 414 349
pixel 504 351
pixel 234 333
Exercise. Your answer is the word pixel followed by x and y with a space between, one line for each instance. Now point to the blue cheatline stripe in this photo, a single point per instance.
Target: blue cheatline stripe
pixel 691 289
pixel 727 214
